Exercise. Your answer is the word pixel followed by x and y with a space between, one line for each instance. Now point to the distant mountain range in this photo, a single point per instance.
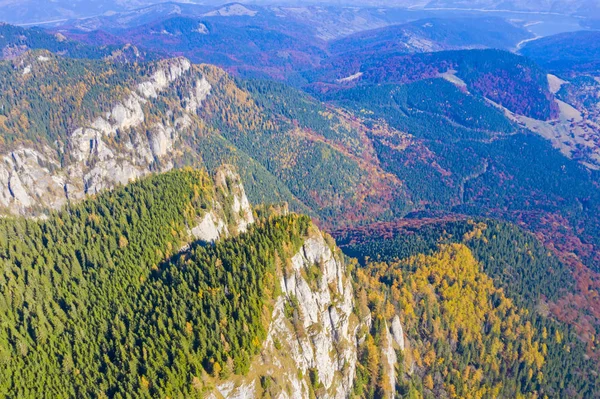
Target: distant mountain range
pixel 567 53
pixel 285 41
pixel 41 11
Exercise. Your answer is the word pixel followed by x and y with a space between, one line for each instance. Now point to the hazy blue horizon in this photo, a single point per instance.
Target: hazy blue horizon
pixel 44 11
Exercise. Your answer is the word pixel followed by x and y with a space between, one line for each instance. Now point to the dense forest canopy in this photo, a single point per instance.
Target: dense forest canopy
pixel 96 300
pixel 454 284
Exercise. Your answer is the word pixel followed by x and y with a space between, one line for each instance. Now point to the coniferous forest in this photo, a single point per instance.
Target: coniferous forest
pixel 98 301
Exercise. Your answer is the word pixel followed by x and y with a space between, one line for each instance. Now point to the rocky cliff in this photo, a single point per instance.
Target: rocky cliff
pixel 121 143
pixel 311 347
pixel 315 330
pixel 230 213
pixel 315 333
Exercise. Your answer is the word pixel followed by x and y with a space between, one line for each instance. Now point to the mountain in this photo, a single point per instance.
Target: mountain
pixel 129 120
pixel 328 20
pixel 134 17
pixel 324 22
pixel 15 41
pixel 459 153
pixel 567 53
pixel 37 11
pixel 131 292
pixel 502 77
pixel 153 319
pixel 279 43
pixel 572 60
pixel 41 12
pixel 434 34
pixel 460 188
pixel 528 95
pixel 237 47
pixel 349 162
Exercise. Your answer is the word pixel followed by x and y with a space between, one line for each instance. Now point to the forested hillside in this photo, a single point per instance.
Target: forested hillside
pixel 470 238
pixel 566 54
pixel 285 143
pixel 234 46
pixel 280 43
pixel 97 302
pixel 45 97
pixel 14 41
pixel 449 279
pixel 388 151
pixel 433 34
pixel 458 153
pixel 515 82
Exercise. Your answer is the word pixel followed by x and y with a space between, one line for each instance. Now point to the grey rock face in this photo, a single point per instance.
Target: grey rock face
pixel 321 339
pixel 32 178
pixel 28 178
pixel 229 191
pixel 390 358
pixel 230 184
pixel 398 332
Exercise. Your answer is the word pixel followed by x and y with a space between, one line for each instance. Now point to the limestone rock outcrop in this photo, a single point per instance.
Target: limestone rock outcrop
pixel 119 145
pixel 312 334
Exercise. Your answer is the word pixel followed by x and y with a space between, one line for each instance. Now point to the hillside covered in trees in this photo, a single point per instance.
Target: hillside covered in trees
pixel 459 286
pixel 433 34
pixel 15 41
pixel 470 263
pixel 512 81
pixel 567 54
pixel 96 300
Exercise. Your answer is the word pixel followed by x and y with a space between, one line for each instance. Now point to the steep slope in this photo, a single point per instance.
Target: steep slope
pixel 88 264
pixel 566 54
pixel 345 167
pixel 124 121
pixel 428 268
pixel 113 308
pixel 171 286
pixel 108 133
pixel 434 34
pixel 100 301
pixel 310 349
